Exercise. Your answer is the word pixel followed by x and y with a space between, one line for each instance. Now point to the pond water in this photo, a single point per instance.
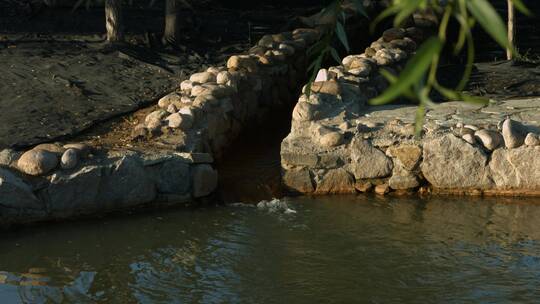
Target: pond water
pixel 340 249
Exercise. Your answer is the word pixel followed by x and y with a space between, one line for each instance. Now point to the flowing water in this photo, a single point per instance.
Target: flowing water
pixel 338 249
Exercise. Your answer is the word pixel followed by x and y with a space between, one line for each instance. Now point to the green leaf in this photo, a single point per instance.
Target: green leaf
pixel 342 36
pixel 335 55
pixel 463 30
pixel 316 64
pixel 450 94
pixel 474 99
pixel 492 23
pixel 392 79
pixel 455 96
pixel 470 63
pixel 389 76
pixel 521 7
pixel 315 48
pixel 360 8
pixel 409 7
pixel 413 72
pixel 391 10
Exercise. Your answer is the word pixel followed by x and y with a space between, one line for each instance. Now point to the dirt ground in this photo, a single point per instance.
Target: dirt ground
pixel 505 79
pixel 58 78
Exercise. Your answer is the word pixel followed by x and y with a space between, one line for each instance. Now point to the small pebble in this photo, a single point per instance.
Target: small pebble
pixel 475 128
pixel 382 189
pixel 490 139
pixel 513 133
pixel 172 109
pixel 469 138
pixel 322 75
pixel 69 159
pixel 532 140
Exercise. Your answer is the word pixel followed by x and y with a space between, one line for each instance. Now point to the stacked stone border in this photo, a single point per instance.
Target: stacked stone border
pixel 209 110
pixel 192 126
pixel 338 144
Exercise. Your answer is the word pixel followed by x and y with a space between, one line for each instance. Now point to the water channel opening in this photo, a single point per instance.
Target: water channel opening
pixel 250 170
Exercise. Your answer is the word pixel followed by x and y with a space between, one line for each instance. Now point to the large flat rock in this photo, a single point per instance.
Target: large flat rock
pixel 516 168
pixel 451 163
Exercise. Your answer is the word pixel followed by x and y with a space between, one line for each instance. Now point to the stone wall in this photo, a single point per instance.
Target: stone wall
pixel 189 129
pixel 104 182
pixel 180 139
pixel 211 108
pixel 338 144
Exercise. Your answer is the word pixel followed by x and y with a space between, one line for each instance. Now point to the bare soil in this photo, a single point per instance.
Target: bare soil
pixel 59 78
pixel 505 79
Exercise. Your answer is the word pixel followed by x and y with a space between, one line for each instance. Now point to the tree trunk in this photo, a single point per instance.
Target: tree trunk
pixel 170 35
pixel 511 29
pixel 114 22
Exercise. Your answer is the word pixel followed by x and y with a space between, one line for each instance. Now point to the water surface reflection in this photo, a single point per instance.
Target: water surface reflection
pixel 339 249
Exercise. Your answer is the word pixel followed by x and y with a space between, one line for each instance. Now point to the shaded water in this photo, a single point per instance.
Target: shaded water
pixel 342 249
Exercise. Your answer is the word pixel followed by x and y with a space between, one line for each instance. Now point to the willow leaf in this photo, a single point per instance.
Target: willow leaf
pixel 342 36
pixel 391 10
pixel 335 55
pixel 413 72
pixel 360 8
pixel 408 9
pixel 488 18
pixel 521 7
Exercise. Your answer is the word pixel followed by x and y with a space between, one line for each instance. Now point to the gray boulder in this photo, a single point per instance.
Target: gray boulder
pixel 205 180
pixel 8 157
pixel 393 34
pixel 171 176
pixel 115 184
pixel 304 111
pixel 406 155
pixel 516 168
pixel 336 181
pixel 368 161
pixel 178 120
pixel 403 181
pixel 450 163
pixel 37 162
pixel 15 193
pixel 298 180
